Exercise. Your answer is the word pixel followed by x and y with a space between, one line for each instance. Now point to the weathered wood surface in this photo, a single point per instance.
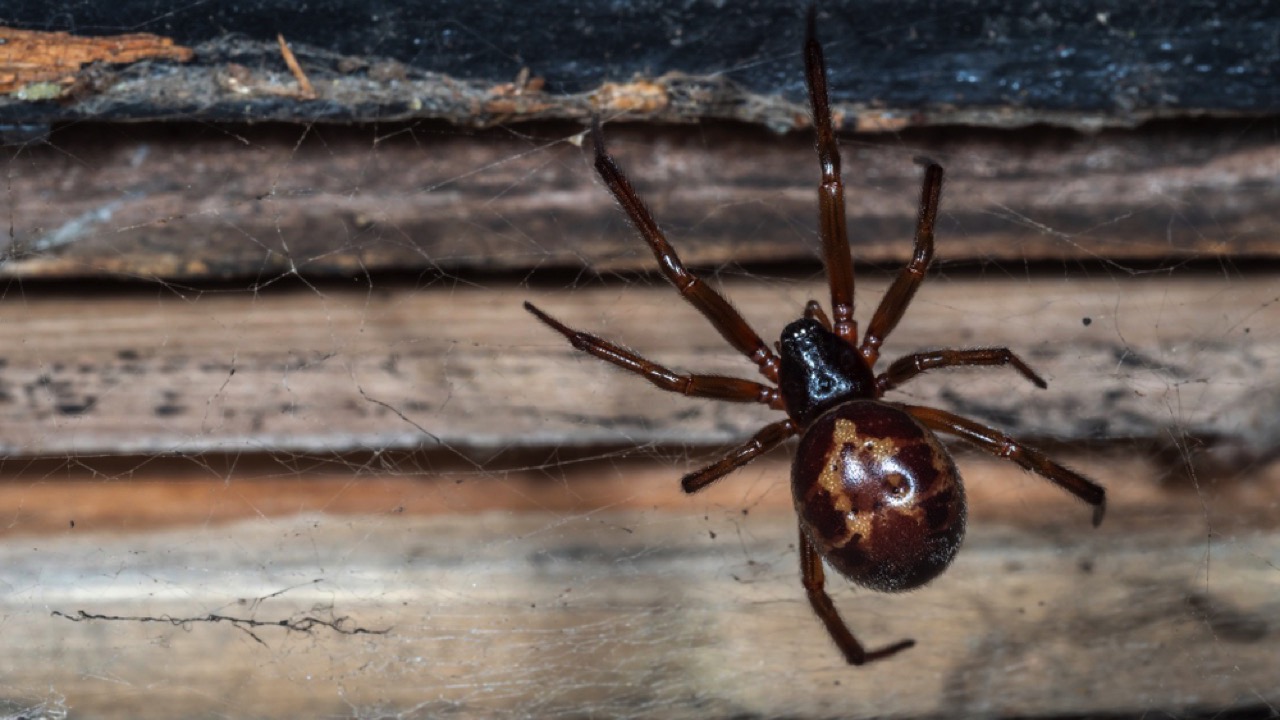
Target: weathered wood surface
pixel 893 65
pixel 339 369
pixel 598 589
pixel 411 451
pixel 428 461
pixel 255 204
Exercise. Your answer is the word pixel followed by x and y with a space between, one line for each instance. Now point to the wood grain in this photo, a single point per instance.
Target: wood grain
pixel 336 370
pixel 619 596
pixel 361 427
pixel 261 204
pixel 430 465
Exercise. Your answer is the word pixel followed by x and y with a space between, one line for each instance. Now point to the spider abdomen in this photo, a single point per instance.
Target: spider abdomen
pixel 878 495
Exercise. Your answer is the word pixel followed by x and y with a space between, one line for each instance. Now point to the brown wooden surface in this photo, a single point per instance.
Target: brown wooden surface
pixel 149 484
pixel 557 591
pixel 411 454
pixel 254 204
pixel 339 370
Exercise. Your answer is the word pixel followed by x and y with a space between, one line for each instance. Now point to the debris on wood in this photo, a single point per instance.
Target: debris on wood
pixel 45 65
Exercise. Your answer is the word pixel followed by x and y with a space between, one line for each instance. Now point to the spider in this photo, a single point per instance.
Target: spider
pixel 877 496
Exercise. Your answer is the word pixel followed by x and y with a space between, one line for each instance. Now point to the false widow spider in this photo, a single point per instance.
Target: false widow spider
pixel 877 495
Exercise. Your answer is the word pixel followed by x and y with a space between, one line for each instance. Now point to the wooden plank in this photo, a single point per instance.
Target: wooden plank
pixel 337 369
pixel 620 597
pixel 258 204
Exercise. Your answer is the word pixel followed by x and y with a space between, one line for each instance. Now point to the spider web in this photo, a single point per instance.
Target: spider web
pixel 342 475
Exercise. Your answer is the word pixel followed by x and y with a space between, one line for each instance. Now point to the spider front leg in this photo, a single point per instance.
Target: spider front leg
pixel 814 579
pixel 831 211
pixel 1001 445
pixel 909 366
pixel 726 320
pixel 715 387
pixel 895 301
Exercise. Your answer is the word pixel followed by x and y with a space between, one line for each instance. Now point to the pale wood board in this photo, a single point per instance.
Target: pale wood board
pixel 620 597
pixel 337 369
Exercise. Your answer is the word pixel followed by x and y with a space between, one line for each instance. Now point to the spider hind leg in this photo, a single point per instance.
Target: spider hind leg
pixel 814 579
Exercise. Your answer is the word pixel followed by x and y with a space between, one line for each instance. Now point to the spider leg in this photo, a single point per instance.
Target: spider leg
pixel 716 387
pixel 907 367
pixel 769 437
pixel 898 297
pixel 1001 445
pixel 831 211
pixel 814 580
pixel 726 320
